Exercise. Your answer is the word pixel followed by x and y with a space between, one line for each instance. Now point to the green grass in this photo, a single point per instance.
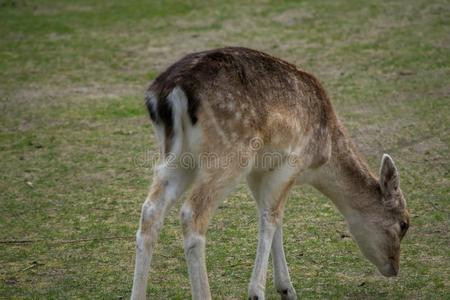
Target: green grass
pixel 74 136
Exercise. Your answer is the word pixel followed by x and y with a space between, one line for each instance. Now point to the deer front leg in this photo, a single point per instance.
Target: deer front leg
pixel 257 284
pixel 281 277
pixel 270 189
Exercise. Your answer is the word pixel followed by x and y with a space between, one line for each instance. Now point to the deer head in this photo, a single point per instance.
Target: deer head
pixel 379 229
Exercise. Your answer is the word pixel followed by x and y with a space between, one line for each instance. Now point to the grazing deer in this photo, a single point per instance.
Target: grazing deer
pixel 241 114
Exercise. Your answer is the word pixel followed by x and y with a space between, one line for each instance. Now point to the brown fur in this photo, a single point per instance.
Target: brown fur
pixel 277 211
pixel 265 91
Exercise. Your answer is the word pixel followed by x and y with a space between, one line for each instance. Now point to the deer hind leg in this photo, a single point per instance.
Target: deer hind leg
pixel 168 185
pixel 196 212
pixel 270 190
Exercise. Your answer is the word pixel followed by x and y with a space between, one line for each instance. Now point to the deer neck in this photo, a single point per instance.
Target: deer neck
pixel 346 178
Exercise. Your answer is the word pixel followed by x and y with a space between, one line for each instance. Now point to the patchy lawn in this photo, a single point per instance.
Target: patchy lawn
pixel 75 140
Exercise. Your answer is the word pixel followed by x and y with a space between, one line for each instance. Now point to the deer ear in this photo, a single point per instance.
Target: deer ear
pixel 389 177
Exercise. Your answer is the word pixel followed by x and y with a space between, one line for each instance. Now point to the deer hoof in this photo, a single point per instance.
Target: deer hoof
pixel 288 294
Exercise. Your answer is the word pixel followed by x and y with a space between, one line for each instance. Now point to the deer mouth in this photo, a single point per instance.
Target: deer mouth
pixel 390 269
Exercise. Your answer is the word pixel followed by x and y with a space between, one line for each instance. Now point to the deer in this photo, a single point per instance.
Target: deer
pixel 243 115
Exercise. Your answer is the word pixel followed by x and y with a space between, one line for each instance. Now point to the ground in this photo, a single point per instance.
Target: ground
pixel 77 145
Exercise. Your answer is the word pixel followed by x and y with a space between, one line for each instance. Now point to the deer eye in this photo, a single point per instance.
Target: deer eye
pixel 403 226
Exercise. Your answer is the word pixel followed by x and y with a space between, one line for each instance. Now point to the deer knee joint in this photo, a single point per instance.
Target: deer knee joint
pixel 186 215
pixel 193 243
pixel 271 218
pixel 149 213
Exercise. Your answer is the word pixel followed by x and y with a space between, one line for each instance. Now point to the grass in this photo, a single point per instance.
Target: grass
pixel 75 140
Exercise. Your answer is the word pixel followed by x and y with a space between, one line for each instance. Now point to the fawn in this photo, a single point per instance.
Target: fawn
pixel 234 114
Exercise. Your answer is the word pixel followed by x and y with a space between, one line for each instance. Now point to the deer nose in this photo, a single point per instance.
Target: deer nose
pixel 390 269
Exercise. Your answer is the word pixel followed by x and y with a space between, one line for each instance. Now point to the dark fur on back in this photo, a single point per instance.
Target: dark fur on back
pixel 189 73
